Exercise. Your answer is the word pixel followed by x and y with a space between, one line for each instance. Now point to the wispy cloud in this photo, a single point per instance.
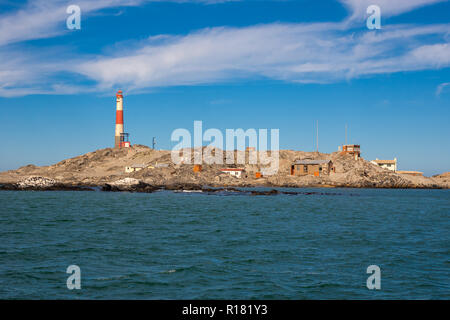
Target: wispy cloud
pixel 441 87
pixel 30 70
pixel 291 52
pixel 305 53
pixel 40 19
pixel 43 19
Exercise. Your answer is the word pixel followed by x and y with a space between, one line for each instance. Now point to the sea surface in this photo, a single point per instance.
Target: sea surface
pixel 169 245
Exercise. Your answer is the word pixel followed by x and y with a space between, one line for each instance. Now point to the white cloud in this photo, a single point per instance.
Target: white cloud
pixel 40 19
pixel 305 53
pixel 441 87
pixel 388 7
pixel 43 19
pixel 27 70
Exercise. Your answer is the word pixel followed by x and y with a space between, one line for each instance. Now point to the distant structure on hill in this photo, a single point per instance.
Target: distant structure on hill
pixel 121 138
pixel 135 168
pixel 411 173
pixel 235 172
pixel 353 149
pixel 386 164
pixel 312 167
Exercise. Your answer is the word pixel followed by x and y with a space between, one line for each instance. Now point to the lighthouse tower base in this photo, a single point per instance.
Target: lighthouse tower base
pixel 117 142
pixel 122 141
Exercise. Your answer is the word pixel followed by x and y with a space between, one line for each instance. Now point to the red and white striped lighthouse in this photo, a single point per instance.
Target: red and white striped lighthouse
pixel 121 138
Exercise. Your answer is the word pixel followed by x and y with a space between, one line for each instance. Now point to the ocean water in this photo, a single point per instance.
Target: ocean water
pixel 193 246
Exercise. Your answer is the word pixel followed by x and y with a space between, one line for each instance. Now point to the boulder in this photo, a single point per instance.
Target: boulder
pixel 126 182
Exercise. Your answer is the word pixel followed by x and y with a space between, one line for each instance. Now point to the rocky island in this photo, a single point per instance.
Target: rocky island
pixel 105 170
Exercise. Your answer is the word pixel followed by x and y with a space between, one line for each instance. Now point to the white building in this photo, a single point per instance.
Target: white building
pixel 235 172
pixel 386 164
pixel 135 168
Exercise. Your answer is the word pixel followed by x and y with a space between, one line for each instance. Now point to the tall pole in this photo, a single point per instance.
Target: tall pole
pixel 317 135
pixel 345 133
pixel 153 143
pixel 119 119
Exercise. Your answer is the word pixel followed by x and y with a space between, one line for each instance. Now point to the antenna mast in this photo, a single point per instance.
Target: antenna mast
pixel 345 133
pixel 317 136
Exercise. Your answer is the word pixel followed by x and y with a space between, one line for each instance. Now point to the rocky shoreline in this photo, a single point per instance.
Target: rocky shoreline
pixel 142 187
pixel 105 170
pixel 145 188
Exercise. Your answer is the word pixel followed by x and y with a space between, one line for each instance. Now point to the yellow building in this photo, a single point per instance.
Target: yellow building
pixel 135 168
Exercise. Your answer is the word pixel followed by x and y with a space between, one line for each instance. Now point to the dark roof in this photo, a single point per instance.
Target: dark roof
pixel 312 161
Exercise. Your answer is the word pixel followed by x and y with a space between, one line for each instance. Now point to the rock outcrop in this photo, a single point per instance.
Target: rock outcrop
pixel 130 185
pixel 126 182
pixel 36 182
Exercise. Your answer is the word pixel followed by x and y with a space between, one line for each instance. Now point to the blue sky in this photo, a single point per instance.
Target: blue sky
pixel 231 64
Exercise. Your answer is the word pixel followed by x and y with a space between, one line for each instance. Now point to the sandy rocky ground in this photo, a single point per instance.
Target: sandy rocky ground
pixel 106 168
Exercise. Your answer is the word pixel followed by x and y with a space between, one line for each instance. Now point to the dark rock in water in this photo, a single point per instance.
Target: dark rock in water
pixel 264 193
pixel 216 190
pixel 141 187
pixel 55 187
pixel 291 193
pixel 149 189
pixel 179 187
pixel 212 190
pixel 107 187
pixel 8 186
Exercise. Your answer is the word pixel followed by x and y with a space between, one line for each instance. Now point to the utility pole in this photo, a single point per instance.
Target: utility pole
pixel 317 136
pixel 153 143
pixel 346 134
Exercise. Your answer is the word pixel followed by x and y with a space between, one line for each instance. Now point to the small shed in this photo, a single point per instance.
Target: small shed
pixel 353 149
pixel 235 172
pixel 134 168
pixel 312 167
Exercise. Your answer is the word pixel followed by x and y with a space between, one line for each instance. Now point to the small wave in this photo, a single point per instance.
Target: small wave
pixel 111 278
pixel 170 271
